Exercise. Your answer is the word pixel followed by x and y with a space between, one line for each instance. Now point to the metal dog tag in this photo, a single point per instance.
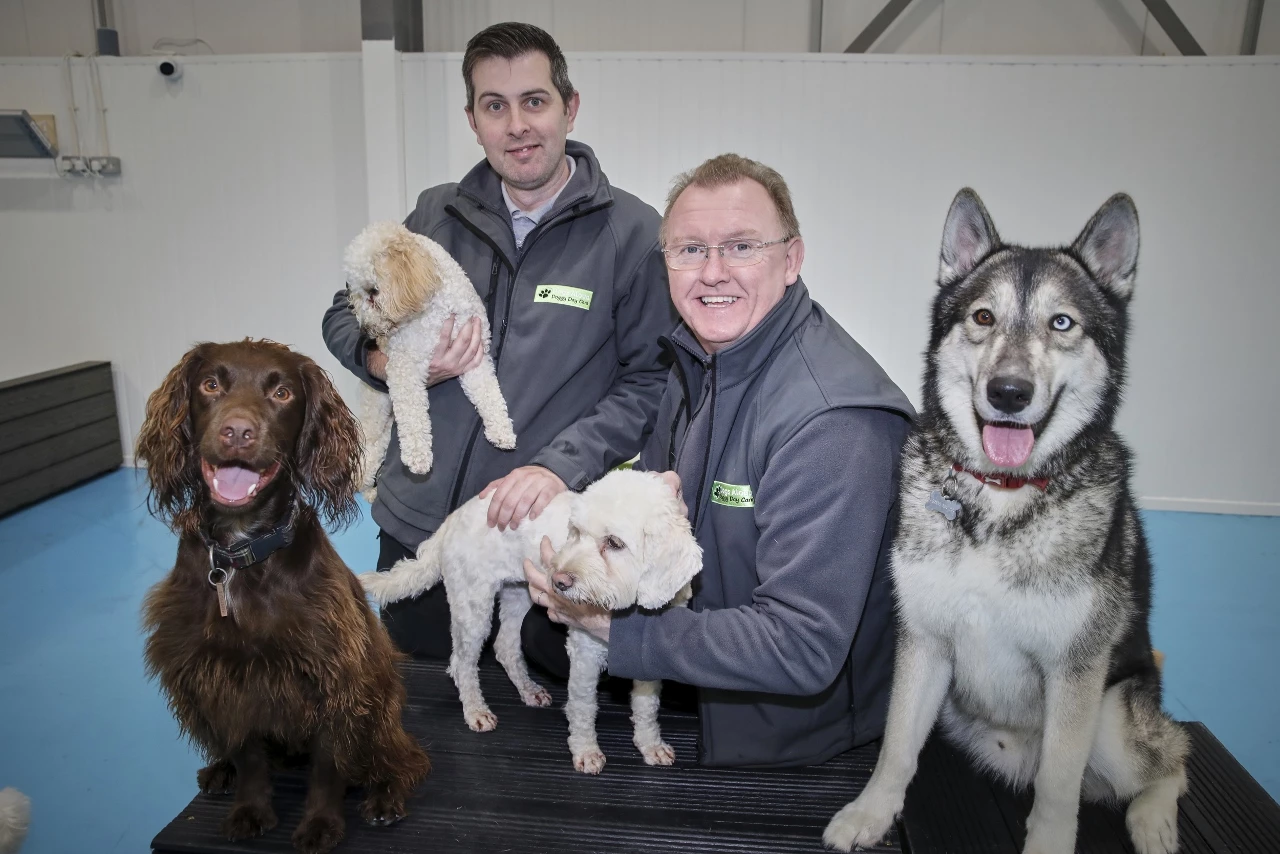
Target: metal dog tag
pixel 221 587
pixel 948 507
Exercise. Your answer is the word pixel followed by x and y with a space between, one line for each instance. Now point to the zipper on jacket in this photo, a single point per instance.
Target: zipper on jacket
pixel 491 300
pixel 490 304
pixel 711 432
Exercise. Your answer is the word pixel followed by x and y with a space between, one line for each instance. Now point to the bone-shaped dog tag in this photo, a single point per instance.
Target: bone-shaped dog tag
pixel 948 507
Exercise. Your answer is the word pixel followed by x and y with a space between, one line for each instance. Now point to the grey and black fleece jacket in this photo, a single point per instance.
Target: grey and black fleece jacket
pixel 580 369
pixel 787 444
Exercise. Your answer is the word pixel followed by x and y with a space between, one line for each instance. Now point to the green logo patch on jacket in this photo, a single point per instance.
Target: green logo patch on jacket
pixel 732 494
pixel 563 295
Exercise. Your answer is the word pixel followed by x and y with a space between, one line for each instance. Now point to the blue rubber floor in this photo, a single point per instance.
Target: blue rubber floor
pixel 86 736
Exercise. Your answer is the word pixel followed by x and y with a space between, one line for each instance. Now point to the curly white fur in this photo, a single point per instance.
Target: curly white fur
pixel 402 288
pixel 15 818
pixel 622 542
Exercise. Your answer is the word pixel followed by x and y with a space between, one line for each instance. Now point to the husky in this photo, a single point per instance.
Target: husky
pixel 1020 567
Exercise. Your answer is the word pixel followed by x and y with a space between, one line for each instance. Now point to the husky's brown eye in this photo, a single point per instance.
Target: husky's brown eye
pixel 983 317
pixel 613 543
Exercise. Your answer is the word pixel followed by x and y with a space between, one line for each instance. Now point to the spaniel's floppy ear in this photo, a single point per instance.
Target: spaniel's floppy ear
pixel 329 453
pixel 407 274
pixel 165 444
pixel 672 557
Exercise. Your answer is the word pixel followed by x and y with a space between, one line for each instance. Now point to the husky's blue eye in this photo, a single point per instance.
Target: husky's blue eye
pixel 1062 323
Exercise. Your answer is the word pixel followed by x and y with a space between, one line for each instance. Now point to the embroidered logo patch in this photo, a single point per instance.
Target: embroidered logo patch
pixel 564 295
pixel 732 494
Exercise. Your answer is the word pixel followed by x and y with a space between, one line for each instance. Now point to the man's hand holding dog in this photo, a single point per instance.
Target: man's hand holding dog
pixel 523 493
pixel 590 618
pixel 453 357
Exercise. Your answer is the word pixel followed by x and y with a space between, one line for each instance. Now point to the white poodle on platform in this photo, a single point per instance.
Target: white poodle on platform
pixel 402 288
pixel 623 541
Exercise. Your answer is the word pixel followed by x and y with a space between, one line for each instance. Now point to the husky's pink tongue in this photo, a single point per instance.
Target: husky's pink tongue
pixel 1007 446
pixel 233 482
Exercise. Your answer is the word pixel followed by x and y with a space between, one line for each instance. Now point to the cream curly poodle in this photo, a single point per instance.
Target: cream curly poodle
pixel 623 541
pixel 402 288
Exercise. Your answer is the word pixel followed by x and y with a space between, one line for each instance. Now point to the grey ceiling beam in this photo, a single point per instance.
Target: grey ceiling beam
pixel 1173 27
pixel 393 20
pixel 879 24
pixel 1252 23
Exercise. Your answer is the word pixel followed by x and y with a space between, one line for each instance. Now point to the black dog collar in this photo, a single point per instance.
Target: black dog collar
pixel 246 553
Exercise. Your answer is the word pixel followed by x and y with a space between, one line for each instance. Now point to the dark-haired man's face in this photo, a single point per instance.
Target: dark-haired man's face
pixel 520 119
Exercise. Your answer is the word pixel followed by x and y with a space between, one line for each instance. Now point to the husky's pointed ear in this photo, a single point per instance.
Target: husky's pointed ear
pixel 672 557
pixel 967 238
pixel 1108 246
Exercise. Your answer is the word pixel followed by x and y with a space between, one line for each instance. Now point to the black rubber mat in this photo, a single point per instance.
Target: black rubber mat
pixel 953 809
pixel 515 790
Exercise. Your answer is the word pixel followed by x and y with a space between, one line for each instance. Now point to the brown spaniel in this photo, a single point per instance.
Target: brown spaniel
pixel 262 639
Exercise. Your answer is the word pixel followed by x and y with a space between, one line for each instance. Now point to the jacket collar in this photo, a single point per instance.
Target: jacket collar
pixel 480 202
pixel 745 357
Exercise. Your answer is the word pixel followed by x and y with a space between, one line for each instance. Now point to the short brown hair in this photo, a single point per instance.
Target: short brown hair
pixel 508 41
pixel 727 169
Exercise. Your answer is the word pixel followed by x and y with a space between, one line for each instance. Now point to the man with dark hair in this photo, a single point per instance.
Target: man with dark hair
pixel 576 297
pixel 783 437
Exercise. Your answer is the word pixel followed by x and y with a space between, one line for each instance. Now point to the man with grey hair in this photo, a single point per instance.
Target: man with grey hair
pixel 784 437
pixel 575 289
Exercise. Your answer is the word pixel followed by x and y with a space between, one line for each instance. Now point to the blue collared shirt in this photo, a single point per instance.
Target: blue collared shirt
pixel 523 222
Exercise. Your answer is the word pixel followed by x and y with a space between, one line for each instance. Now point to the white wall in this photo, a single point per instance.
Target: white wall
pixel 874 150
pixel 949 27
pixel 241 185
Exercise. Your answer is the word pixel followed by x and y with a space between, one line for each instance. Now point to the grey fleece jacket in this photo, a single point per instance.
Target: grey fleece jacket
pixel 582 384
pixel 789 463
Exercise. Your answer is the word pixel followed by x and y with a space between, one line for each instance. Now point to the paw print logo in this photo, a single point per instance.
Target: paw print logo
pixel 717 491
pixel 544 292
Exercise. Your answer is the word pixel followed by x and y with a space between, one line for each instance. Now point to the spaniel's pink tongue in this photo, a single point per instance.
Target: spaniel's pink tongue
pixel 233 482
pixel 1007 446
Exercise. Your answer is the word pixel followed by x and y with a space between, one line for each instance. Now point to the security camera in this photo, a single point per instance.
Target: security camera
pixel 170 67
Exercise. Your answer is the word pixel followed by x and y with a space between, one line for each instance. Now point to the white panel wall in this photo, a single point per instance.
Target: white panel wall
pixel 949 27
pixel 874 150
pixel 241 185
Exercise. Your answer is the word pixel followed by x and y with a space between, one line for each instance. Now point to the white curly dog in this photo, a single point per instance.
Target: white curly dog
pixel 15 818
pixel 623 541
pixel 402 288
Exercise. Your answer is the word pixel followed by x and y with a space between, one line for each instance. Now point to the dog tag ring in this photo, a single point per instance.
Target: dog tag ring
pixel 220 585
pixel 944 502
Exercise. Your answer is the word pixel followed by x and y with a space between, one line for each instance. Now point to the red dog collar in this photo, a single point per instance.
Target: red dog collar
pixel 1005 481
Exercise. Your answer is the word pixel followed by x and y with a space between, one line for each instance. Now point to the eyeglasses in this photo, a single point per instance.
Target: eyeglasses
pixel 738 252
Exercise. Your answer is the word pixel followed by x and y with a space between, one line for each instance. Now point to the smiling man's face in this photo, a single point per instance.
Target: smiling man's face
pixel 520 119
pixel 719 303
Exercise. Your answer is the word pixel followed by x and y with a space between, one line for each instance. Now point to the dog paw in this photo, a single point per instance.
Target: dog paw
pixel 504 438
pixel 1153 829
pixel 319 834
pixel 658 754
pixel 481 721
pixel 589 761
pixel 218 778
pixel 860 824
pixel 246 821
pixel 539 697
pixel 382 808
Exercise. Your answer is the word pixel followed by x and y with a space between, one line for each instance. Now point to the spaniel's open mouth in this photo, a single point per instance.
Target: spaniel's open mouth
pixel 234 485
